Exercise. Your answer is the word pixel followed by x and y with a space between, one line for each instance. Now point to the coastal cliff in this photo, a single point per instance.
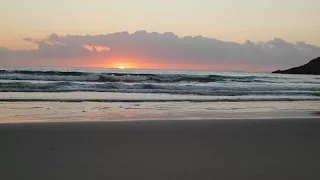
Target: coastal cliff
pixel 313 67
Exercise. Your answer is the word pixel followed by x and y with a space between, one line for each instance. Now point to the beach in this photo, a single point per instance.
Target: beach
pixel 80 124
pixel 177 149
pixel 160 90
pixel 70 111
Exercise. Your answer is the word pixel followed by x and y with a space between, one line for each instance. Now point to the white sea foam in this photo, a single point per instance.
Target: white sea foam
pixel 234 86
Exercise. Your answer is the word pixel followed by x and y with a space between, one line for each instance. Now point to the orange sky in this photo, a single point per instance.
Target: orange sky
pixel 128 62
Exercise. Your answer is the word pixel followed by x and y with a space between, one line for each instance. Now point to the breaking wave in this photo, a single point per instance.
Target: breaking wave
pixel 188 83
pixel 123 77
pixel 155 88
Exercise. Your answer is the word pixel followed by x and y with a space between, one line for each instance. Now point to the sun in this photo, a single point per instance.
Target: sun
pixel 121 67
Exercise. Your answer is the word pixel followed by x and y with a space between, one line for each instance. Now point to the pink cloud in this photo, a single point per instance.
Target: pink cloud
pixel 96 48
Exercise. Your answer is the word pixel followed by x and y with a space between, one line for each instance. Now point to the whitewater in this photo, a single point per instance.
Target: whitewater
pixel 170 84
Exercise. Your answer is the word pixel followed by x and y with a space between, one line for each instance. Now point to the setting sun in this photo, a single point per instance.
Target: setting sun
pixel 121 67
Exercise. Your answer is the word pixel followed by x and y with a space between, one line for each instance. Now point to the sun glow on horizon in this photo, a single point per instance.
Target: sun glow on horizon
pixel 123 63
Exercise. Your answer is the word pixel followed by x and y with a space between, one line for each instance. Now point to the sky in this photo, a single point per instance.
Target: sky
pixel 287 23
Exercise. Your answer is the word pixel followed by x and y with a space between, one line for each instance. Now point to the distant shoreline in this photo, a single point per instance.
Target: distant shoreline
pixel 311 68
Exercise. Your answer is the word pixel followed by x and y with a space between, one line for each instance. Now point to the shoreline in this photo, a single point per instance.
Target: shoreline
pixel 163 120
pixel 128 97
pixel 20 112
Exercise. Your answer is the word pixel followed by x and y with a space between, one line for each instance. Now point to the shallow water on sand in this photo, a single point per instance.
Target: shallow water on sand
pixel 101 111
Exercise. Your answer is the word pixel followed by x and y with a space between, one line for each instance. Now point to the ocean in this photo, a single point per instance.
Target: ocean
pixel 197 90
pixel 158 124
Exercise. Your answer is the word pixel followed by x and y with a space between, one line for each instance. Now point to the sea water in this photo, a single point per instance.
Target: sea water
pixel 155 90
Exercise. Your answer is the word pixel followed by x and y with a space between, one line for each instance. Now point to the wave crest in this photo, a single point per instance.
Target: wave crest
pixel 123 77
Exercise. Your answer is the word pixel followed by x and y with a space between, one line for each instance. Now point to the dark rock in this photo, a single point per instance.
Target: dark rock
pixel 313 67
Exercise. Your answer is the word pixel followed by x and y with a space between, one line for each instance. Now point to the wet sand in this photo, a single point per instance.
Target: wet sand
pixel 277 149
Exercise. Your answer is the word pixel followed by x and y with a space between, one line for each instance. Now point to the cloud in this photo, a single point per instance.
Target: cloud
pixel 166 48
pixel 96 48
